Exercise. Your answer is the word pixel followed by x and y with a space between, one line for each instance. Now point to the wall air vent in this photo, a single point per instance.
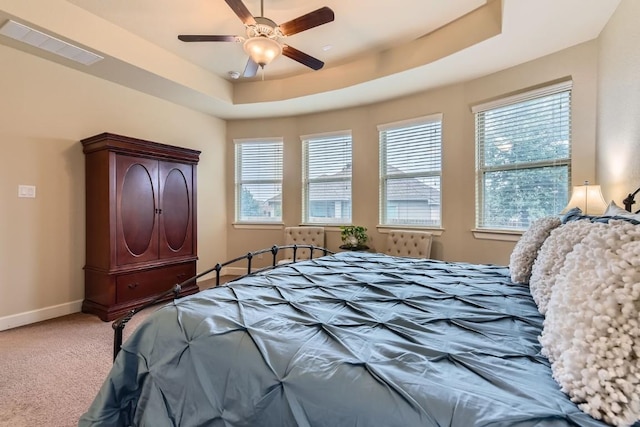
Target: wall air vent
pixel 46 42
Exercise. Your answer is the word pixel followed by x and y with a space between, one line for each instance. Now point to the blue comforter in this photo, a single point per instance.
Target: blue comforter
pixel 353 339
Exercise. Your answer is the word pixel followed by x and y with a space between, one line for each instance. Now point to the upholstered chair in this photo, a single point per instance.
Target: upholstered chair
pixel 414 244
pixel 302 236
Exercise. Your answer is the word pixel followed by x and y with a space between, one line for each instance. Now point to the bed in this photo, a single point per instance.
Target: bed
pixel 363 339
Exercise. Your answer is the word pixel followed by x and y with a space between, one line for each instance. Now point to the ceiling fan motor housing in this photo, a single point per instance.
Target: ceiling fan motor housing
pixel 264 27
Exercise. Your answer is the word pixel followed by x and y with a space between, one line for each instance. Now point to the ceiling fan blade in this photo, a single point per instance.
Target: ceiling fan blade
pixel 209 38
pixel 310 20
pixel 251 69
pixel 241 10
pixel 302 57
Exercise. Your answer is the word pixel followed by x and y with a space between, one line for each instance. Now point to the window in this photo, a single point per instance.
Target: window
pixel 327 178
pixel 259 180
pixel 410 169
pixel 523 157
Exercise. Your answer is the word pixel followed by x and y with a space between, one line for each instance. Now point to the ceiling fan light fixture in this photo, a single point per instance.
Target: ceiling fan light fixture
pixel 262 50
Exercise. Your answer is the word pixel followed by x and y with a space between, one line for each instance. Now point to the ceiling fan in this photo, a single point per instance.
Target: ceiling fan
pixel 263 36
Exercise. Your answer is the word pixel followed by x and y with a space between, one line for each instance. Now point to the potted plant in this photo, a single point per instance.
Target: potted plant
pixel 354 237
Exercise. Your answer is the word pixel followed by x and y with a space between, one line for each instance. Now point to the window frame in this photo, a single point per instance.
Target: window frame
pixel 482 170
pixel 386 177
pixel 307 181
pixel 239 183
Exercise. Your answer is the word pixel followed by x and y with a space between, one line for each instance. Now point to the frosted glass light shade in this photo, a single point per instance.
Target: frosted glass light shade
pixel 588 198
pixel 262 50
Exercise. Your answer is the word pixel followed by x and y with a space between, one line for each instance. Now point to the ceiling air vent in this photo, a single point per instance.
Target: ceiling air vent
pixel 46 42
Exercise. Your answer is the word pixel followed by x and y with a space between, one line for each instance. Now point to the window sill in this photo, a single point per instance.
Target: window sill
pixel 384 229
pixel 503 235
pixel 258 226
pixel 327 227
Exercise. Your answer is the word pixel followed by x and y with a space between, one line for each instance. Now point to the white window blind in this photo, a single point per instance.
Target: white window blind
pixel 410 171
pixel 259 180
pixel 327 178
pixel 523 157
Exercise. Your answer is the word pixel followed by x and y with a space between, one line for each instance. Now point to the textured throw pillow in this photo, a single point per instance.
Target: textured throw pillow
pixel 551 258
pixel 526 250
pixel 591 332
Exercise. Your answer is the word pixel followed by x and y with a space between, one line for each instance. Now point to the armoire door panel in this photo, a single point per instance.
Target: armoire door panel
pixel 137 224
pixel 176 215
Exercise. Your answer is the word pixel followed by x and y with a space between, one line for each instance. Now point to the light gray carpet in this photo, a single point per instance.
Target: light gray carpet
pixel 51 371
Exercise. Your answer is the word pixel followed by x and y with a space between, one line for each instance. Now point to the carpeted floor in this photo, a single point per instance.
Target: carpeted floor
pixel 51 371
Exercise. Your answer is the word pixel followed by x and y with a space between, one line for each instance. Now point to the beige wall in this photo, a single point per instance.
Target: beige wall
pixel 619 104
pixel 457 242
pixel 46 109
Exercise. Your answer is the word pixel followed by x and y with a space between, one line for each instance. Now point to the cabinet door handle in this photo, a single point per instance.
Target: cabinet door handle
pixel 132 285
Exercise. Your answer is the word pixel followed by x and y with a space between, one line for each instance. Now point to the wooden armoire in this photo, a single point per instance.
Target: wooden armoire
pixel 140 222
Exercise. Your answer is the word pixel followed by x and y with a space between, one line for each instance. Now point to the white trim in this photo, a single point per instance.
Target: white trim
pixel 322 135
pixel 224 271
pixel 525 96
pixel 257 226
pixel 385 229
pixel 437 117
pixel 258 140
pixel 210 279
pixel 33 316
pixel 503 235
pixel 237 271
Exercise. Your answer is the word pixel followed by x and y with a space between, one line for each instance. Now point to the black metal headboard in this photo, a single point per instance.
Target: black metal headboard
pixel 629 201
pixel 119 324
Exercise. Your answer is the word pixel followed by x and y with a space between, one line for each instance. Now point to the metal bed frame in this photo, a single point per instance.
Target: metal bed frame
pixel 119 324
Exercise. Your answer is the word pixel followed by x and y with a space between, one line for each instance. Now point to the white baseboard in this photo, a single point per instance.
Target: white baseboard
pixel 237 271
pixel 28 317
pixel 227 271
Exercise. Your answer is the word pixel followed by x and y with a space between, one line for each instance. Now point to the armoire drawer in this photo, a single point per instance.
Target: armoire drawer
pixel 143 284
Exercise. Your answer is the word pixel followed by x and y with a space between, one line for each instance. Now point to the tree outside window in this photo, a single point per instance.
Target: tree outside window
pixel 523 158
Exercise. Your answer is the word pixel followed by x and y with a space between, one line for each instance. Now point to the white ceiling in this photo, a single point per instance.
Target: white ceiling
pixel 380 49
pixel 359 27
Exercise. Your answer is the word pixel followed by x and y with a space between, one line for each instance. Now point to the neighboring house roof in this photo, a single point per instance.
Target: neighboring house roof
pixel 411 189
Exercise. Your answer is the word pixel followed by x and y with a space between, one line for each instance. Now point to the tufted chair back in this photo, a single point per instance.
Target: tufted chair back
pixel 414 244
pixel 302 236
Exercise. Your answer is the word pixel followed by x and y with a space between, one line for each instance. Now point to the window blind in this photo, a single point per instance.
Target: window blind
pixel 523 158
pixel 258 167
pixel 327 172
pixel 410 172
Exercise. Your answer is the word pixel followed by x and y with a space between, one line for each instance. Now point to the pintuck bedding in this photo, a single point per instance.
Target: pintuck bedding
pixel 352 339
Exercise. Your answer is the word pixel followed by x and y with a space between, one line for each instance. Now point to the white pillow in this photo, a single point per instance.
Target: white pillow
pixel 615 210
pixel 591 332
pixel 551 256
pixel 525 251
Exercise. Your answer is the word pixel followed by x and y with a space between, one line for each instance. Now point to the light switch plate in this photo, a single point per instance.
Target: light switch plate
pixel 27 191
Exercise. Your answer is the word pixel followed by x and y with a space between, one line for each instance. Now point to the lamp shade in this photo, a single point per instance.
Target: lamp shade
pixel 262 50
pixel 588 198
